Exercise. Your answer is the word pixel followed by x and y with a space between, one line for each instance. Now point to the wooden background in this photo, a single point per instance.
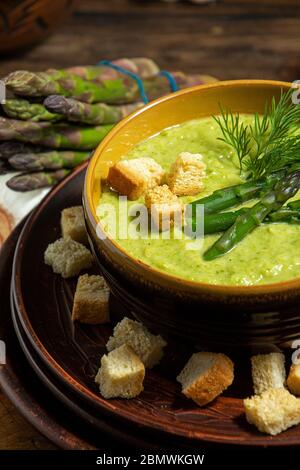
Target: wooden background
pixel 229 39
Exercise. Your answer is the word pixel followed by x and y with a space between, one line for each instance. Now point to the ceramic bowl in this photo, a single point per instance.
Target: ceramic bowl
pixel 210 316
pixel 23 23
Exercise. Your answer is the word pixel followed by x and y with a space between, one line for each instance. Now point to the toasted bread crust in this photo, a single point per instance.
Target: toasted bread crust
pixel 274 411
pixel 73 224
pixel 121 374
pixel 163 206
pixel 91 300
pixel 186 174
pixel 268 371
pixel 132 178
pixel 67 257
pixel 293 380
pixel 125 184
pixel 211 383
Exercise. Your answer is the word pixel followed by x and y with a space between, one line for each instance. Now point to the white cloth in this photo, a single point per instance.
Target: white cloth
pixel 18 205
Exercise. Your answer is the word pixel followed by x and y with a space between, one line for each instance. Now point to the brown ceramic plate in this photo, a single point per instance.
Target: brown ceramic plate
pixel 21 385
pixel 110 430
pixel 72 352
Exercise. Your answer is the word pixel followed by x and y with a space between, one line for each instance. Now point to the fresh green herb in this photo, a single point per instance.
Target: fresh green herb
pixel 235 133
pixel 267 145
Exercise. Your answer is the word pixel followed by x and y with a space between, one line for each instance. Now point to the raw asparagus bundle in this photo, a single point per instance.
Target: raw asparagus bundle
pixel 51 160
pixel 53 135
pixel 37 135
pixel 118 91
pixel 31 181
pixel 94 114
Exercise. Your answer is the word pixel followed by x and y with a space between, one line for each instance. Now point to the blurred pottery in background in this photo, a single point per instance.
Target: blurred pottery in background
pixel 26 22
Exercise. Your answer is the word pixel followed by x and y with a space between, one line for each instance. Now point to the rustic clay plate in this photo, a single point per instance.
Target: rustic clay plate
pixel 72 352
pixel 21 385
pixel 111 433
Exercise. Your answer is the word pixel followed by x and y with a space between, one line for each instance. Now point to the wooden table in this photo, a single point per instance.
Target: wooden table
pixel 228 39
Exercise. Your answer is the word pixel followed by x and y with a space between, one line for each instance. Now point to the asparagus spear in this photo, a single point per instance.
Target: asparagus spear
pixel 52 135
pixel 23 109
pixel 219 222
pixel 248 221
pixel 52 160
pixel 10 148
pixel 121 90
pixel 232 195
pixel 294 205
pixel 30 181
pixel 141 66
pixel 61 82
pixel 284 215
pixel 95 114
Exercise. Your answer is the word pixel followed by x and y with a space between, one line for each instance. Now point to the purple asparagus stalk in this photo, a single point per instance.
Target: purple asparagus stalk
pixel 30 181
pixel 53 135
pixel 95 114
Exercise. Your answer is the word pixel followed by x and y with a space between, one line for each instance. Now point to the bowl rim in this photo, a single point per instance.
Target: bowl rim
pixel 155 273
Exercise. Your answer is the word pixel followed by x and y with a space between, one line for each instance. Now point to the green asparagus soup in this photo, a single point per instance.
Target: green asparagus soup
pixel 271 253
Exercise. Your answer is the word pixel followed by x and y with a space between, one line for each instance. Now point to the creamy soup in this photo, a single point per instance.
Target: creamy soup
pixel 271 253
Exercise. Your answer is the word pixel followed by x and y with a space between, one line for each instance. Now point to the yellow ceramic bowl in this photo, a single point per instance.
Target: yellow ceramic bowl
pixel 160 299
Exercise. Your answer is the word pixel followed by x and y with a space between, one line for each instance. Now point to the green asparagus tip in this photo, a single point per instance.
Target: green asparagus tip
pixel 19 82
pixel 211 254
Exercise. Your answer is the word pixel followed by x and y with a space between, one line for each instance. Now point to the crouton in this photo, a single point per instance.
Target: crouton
pixel 73 225
pixel 147 346
pixel 293 380
pixel 274 411
pixel 268 371
pixel 132 178
pixel 121 374
pixel 67 257
pixel 163 206
pixel 91 300
pixel 205 376
pixel 186 174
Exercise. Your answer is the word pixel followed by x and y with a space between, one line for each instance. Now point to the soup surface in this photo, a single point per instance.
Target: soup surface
pixel 271 253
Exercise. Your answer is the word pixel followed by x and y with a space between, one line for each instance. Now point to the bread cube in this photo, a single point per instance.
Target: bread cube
pixel 163 206
pixel 268 371
pixel 121 374
pixel 67 257
pixel 73 225
pixel 293 380
pixel 147 346
pixel 91 300
pixel 205 376
pixel 132 178
pixel 274 411
pixel 186 174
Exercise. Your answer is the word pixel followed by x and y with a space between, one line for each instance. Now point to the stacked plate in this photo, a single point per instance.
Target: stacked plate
pixel 62 359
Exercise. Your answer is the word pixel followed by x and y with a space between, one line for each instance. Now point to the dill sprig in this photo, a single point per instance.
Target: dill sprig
pixel 267 145
pixel 235 133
